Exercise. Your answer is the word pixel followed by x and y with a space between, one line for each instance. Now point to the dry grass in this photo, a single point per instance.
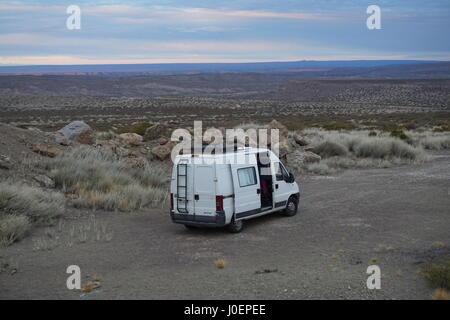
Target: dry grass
pixel 438 273
pixel 359 149
pixel 440 294
pixel 22 206
pixel 220 263
pixel 102 181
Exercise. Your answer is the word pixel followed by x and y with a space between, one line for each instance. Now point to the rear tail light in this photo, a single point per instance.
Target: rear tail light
pixel 219 203
pixel 171 201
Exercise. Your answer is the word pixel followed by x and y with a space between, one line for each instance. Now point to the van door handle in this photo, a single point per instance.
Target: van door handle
pixel 276 186
pixel 258 191
pixel 196 197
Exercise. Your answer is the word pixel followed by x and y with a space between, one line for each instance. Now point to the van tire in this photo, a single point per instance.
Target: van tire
pixel 291 207
pixel 236 226
pixel 190 227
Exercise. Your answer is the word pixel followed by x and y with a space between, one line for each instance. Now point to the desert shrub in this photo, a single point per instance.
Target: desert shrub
pixel 22 206
pixel 138 128
pixel 388 148
pixel 103 181
pixel 105 135
pixel 330 149
pixel 339 126
pixel 38 205
pixel 13 228
pixel 438 273
pixel 355 149
pixel 400 134
pixel 442 128
pixel 436 142
pixel 320 168
pixel 440 294
pixel 411 125
pixel 372 134
pixel 250 125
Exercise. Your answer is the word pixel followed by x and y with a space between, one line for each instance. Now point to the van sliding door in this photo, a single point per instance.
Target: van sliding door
pixel 247 191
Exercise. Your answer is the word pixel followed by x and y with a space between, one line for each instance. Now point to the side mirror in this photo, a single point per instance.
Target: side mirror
pixel 290 178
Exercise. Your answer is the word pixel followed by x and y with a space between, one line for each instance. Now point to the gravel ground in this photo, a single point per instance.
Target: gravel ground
pixel 395 216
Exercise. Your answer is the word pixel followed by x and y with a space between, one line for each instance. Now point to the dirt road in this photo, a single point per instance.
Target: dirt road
pixel 395 216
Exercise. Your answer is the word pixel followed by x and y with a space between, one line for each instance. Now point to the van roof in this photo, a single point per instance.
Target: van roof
pixel 228 150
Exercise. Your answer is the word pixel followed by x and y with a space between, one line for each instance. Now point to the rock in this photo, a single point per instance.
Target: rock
pixel 162 152
pixel 77 131
pixel 130 139
pixel 311 157
pixel 298 158
pixel 135 162
pixel 46 150
pixel 301 141
pixel 116 148
pixel 156 131
pixel 163 140
pixel 5 162
pixel 274 124
pixel 44 181
pixel 283 147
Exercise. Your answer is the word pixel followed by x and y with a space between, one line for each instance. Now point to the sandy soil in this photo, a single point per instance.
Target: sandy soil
pixel 322 253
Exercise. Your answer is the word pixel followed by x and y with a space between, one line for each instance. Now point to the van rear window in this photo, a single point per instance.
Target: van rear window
pixel 246 176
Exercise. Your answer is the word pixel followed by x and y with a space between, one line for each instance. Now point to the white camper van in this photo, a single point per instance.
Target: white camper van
pixel 226 189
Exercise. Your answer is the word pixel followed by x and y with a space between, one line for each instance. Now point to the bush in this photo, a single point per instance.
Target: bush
pixel 39 206
pixel 21 206
pixel 400 134
pixel 330 149
pixel 438 273
pixel 385 148
pixel 436 142
pixel 105 135
pixel 339 126
pixel 138 128
pixel 103 181
pixel 372 134
pixel 13 228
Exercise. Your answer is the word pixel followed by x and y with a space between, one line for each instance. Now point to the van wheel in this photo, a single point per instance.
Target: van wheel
pixel 291 207
pixel 236 226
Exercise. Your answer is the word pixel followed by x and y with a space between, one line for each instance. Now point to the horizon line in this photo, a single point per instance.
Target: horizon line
pixel 222 62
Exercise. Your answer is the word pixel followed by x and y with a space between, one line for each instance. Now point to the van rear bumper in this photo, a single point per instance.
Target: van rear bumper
pixel 217 220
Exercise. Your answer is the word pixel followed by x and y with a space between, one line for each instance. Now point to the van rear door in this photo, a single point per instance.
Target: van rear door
pixel 247 197
pixel 184 175
pixel 205 190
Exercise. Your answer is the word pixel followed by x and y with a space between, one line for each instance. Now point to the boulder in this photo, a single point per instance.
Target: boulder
pixel 130 139
pixel 311 157
pixel 163 140
pixel 162 152
pixel 46 150
pixel 298 158
pixel 301 141
pixel 156 131
pixel 274 124
pixel 77 131
pixel 44 181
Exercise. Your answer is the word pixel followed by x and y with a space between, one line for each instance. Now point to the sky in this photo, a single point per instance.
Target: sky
pixel 170 31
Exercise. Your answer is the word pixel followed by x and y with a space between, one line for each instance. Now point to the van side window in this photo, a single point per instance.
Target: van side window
pixel 281 172
pixel 246 176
